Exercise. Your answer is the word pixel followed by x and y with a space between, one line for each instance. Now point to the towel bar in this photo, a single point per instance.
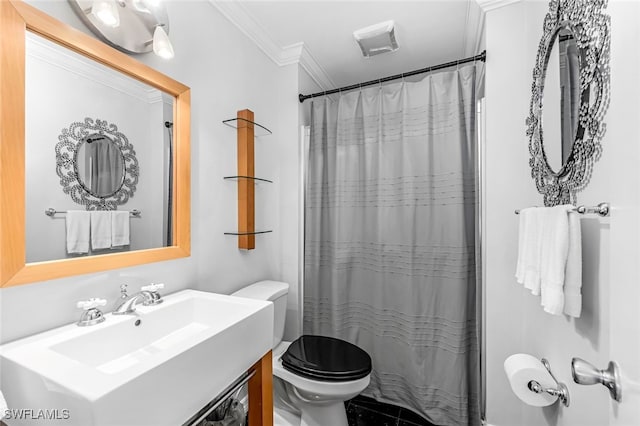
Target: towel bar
pixel 601 209
pixel 51 212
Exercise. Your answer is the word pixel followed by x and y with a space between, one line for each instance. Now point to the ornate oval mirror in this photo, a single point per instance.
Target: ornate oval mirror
pixel 569 97
pixel 99 165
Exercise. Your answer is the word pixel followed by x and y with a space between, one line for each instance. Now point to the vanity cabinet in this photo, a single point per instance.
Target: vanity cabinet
pixel 254 390
pixel 166 366
pixel 247 131
pixel 261 392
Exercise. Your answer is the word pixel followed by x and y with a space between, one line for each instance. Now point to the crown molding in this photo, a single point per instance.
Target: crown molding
pixel 487 5
pixel 249 26
pixel 296 53
pixel 291 54
pixel 154 96
pixel 60 57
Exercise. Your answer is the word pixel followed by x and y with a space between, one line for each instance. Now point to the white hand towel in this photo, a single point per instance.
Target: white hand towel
pixel 3 406
pixel 573 270
pixel 77 222
pixel 100 229
pixel 529 249
pixel 119 228
pixel 555 248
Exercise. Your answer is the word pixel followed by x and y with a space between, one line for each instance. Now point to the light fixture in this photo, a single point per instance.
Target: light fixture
pixel 133 26
pixel 376 39
pixel 106 11
pixel 161 43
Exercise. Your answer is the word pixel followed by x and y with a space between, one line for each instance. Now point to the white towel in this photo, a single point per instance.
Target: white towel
pixel 553 262
pixel 529 248
pixel 119 228
pixel 100 229
pixel 77 231
pixel 3 406
pixel 573 271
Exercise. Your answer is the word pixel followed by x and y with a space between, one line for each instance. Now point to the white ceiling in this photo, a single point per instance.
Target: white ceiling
pixel 320 34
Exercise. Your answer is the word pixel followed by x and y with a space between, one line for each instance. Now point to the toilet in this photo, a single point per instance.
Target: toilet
pixel 313 375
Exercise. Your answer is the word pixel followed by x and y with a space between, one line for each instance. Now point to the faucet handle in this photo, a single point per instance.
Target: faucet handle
pixel 152 287
pixel 91 303
pixel 91 314
pixel 154 297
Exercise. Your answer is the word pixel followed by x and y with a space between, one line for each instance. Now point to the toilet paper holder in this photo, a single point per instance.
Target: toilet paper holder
pixel 561 391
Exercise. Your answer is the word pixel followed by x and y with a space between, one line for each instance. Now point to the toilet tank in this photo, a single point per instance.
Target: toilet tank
pixel 273 291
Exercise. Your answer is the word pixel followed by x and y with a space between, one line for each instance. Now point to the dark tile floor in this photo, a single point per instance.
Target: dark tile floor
pixel 365 411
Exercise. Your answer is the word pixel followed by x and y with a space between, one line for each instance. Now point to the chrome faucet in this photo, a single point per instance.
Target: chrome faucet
pixel 128 305
pixel 148 296
pixel 123 296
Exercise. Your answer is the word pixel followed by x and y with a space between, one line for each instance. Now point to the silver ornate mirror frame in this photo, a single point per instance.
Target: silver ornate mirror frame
pixel 591 30
pixel 68 144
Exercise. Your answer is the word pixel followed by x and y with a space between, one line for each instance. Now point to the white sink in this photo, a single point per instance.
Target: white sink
pixel 183 353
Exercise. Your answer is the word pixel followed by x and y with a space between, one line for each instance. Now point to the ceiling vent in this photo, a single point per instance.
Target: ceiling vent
pixel 376 39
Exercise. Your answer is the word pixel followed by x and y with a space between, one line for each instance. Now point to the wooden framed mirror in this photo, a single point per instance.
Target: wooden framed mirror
pixel 17 19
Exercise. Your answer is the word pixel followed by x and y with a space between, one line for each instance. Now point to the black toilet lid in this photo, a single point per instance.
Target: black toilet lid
pixel 326 359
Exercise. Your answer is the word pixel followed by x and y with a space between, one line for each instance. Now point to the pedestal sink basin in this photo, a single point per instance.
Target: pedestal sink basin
pixel 157 367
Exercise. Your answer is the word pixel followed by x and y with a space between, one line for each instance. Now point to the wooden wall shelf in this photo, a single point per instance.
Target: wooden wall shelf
pixel 255 179
pixel 240 121
pixel 246 131
pixel 247 233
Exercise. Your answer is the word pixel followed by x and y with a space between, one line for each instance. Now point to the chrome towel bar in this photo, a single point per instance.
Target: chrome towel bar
pixel 51 212
pixel 601 209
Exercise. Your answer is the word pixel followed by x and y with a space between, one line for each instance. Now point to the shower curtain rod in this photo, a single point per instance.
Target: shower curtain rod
pixel 481 57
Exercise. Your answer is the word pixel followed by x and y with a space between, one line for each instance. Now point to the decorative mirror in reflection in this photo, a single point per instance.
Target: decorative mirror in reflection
pixel 97 164
pixel 569 98
pixel 91 163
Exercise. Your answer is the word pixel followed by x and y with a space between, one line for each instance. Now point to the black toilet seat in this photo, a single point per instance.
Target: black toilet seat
pixel 326 359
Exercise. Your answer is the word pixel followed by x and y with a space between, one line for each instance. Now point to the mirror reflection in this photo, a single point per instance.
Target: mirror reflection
pixel 91 164
pixel 99 165
pixel 561 99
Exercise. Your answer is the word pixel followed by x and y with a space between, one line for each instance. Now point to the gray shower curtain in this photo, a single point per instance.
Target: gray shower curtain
pixel 390 239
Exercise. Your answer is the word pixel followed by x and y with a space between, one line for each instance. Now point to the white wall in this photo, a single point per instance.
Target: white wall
pixel 226 73
pixel 514 320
